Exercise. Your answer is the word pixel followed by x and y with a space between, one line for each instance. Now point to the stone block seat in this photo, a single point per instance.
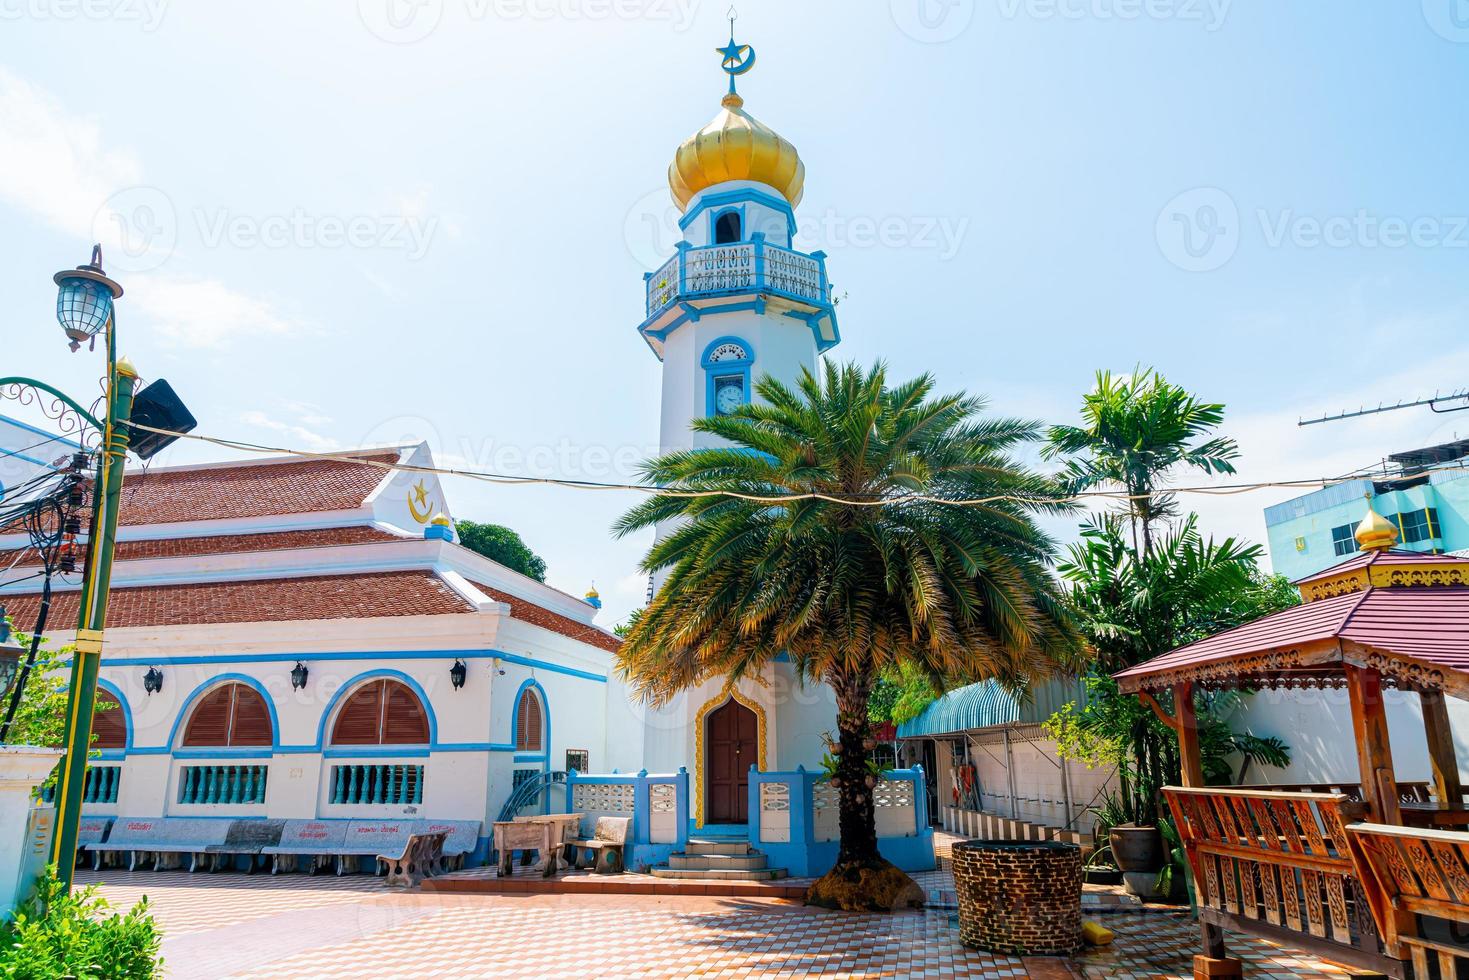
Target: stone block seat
pixel 726 860
pixel 165 841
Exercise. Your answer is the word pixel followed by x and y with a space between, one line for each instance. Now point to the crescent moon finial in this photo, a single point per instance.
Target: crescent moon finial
pixel 735 58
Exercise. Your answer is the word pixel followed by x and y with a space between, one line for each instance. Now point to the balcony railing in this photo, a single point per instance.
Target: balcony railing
pixel 100 786
pixel 739 267
pixel 231 784
pixel 377 783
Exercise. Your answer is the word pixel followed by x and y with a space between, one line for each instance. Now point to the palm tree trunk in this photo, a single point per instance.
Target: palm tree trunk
pixel 862 880
pixel 858 821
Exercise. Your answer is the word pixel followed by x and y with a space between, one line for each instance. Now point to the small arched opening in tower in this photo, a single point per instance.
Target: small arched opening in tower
pixel 727 228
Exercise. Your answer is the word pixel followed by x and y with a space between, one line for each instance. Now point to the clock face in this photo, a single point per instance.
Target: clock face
pixel 728 396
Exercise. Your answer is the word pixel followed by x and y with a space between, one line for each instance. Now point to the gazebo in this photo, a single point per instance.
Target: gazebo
pixel 1367 874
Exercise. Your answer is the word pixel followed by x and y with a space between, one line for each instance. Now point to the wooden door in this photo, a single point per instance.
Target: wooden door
pixel 731 745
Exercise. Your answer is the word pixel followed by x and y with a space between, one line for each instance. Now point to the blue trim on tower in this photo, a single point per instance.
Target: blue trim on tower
pixel 748 194
pixel 714 370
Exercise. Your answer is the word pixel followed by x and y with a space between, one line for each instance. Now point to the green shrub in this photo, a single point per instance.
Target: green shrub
pixel 59 935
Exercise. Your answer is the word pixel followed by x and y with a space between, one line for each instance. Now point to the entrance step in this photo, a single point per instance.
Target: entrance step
pixel 753 861
pixel 759 874
pixel 707 845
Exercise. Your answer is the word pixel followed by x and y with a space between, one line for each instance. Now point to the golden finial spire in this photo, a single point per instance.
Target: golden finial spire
pixel 1375 533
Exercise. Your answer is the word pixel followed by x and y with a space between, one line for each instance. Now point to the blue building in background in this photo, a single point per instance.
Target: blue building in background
pixel 1425 492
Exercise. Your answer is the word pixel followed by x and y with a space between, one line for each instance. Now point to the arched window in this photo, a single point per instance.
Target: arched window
pixel 229 715
pixel 529 723
pixel 109 723
pixel 381 712
pixel 727 372
pixel 727 228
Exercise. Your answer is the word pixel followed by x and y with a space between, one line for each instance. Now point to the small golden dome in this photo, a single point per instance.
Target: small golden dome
pixel 1375 533
pixel 126 369
pixel 735 146
pixel 592 593
pixel 441 520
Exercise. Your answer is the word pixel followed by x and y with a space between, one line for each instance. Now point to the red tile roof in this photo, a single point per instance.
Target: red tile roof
pixel 1363 559
pixel 540 616
pixel 227 544
pixel 1429 624
pixel 249 490
pixel 355 596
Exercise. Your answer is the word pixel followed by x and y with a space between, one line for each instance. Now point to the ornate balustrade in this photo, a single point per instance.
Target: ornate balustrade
pixel 658 804
pixel 795 816
pixel 215 783
pixel 380 784
pixel 101 786
pixel 1418 873
pixel 1277 864
pixel 755 265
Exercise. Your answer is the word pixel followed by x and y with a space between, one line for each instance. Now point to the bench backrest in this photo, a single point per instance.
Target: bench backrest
pixel 612 829
pixel 1421 871
pixel 313 833
pixel 142 831
pixel 251 834
pixel 93 830
pixel 383 836
pixel 463 835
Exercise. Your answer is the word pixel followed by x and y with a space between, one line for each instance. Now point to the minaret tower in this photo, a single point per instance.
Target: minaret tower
pixel 735 301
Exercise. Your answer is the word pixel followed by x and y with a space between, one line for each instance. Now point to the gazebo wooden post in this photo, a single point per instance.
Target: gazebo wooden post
pixel 1441 755
pixel 1215 960
pixel 1374 750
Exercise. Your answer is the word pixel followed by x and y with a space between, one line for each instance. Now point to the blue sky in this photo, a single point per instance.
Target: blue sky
pixel 368 221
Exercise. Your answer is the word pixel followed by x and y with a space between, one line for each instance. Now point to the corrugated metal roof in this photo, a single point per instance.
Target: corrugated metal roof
pixel 987 704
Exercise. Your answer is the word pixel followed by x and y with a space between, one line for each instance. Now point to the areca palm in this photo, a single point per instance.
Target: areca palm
pixel 1135 429
pixel 821 531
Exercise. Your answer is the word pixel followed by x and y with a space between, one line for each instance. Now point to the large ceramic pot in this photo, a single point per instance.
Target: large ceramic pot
pixel 1136 848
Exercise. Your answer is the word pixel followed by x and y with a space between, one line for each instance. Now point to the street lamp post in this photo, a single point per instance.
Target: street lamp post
pixel 84 307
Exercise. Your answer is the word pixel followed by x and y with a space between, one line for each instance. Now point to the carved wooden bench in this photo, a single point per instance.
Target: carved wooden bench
pixel 606 845
pixel 419 859
pixel 1421 891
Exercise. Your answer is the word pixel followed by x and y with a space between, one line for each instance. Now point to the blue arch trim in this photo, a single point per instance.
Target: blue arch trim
pixel 127 719
pixel 216 681
pixel 545 758
pixel 367 675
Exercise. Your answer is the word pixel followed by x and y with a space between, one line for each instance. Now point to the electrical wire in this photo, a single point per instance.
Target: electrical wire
pixel 1218 490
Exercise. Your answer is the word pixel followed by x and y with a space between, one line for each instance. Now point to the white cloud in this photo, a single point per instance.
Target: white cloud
pixel 204 313
pixel 300 433
pixel 52 160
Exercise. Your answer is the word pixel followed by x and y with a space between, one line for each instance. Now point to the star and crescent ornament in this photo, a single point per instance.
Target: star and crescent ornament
pixel 735 58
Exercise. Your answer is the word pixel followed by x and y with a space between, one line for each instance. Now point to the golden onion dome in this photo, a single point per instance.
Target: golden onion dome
pixel 441 520
pixel 735 146
pixel 1375 533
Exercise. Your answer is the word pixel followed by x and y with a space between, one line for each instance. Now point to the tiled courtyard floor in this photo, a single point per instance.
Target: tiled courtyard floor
pixel 294 926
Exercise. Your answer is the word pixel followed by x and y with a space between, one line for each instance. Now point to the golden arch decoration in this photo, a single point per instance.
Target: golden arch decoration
pixel 718 700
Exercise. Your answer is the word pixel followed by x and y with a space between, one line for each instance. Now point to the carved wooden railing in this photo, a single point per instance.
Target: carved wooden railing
pixel 1276 864
pixel 1411 872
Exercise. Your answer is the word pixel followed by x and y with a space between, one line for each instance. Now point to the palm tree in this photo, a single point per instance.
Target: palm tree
pixel 1135 429
pixel 821 531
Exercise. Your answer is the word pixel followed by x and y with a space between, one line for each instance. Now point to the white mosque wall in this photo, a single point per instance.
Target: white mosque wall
pixel 1317 725
pixel 804 714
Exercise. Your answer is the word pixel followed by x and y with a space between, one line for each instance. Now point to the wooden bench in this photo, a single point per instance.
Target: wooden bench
pixel 420 858
pixel 1420 891
pixel 606 845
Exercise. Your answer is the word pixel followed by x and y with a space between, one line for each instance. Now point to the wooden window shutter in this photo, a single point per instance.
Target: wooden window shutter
pixel 358 721
pixel 209 724
pixel 251 721
pixel 528 722
pixel 109 724
pixel 404 720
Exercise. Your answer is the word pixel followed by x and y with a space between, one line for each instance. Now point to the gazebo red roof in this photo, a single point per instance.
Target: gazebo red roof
pixel 1399 612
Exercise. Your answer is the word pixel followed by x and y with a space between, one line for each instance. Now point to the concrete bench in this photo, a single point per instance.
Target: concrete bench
pixel 462 837
pixel 245 838
pixel 605 846
pixel 369 838
pixel 91 830
pixel 319 841
pixel 420 858
pixel 165 841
